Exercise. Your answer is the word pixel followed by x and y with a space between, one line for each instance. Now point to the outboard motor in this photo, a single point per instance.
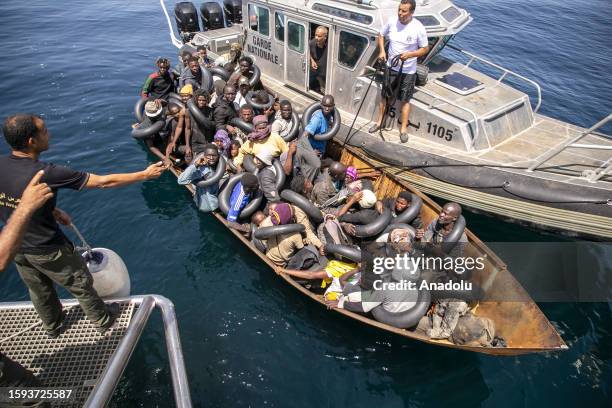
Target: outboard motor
pixel 186 16
pixel 212 16
pixel 110 275
pixel 233 11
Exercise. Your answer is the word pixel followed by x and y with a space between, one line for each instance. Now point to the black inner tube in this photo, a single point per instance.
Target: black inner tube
pixel 242 125
pixel 139 108
pixel 376 226
pixel 453 237
pixel 407 319
pixel 250 97
pixel 331 132
pixel 295 127
pixel 258 244
pixel 248 163
pixel 148 133
pixel 220 72
pixel 280 175
pixel 395 226
pixel 304 204
pixel 197 114
pixel 255 77
pixel 411 212
pixel 216 176
pixel 224 198
pixel 275 230
pixel 349 252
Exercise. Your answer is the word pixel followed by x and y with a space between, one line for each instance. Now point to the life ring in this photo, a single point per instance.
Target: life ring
pixel 256 242
pixel 148 133
pixel 254 79
pixel 242 125
pixel 197 114
pixel 220 72
pixel 411 212
pixel 216 176
pixel 295 127
pixel 250 97
pixel 224 198
pixel 275 230
pixel 349 252
pixel 331 132
pixel 376 226
pixel 248 163
pixel 453 237
pixel 304 204
pixel 407 319
pixel 394 226
pixel 139 108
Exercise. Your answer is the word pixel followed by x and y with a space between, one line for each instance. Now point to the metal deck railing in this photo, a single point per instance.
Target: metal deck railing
pixel 84 360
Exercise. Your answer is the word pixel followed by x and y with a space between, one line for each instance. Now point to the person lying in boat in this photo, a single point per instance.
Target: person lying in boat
pixel 365 214
pixel 247 114
pixel 288 250
pixel 282 118
pixel 241 195
pixel 202 167
pixel 245 69
pixel 310 151
pixel 437 231
pixel 161 83
pixel 225 109
pixel 325 191
pixel 261 138
pixel 201 133
pixel 244 87
pixel 334 277
pixel 398 206
pixel 192 74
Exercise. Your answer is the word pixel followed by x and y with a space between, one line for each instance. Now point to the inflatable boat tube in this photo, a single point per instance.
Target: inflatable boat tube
pixel 411 212
pixel 139 109
pixel 248 163
pixel 302 202
pixel 216 176
pixel 148 133
pixel 250 97
pixel 258 244
pixel 331 132
pixel 395 226
pixel 348 252
pixel 407 319
pixel 280 174
pixel 224 198
pixel 451 239
pixel 254 80
pixel 242 125
pixel 375 227
pixel 295 127
pixel 275 230
pixel 220 72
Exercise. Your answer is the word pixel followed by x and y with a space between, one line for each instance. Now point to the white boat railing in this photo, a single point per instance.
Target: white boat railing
pixel 591 176
pixel 177 43
pixel 505 72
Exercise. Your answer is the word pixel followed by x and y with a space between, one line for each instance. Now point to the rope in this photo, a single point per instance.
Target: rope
pixel 12 336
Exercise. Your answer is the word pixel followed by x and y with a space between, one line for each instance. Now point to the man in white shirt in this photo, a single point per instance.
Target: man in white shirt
pixel 408 40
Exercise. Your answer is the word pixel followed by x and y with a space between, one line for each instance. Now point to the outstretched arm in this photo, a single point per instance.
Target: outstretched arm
pixel 305 274
pixel 123 179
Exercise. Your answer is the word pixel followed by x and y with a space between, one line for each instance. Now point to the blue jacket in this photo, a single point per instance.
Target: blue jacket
pixel 238 200
pixel 317 125
pixel 205 197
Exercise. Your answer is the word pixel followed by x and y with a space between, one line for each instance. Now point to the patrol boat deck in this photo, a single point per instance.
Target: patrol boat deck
pixel 483 144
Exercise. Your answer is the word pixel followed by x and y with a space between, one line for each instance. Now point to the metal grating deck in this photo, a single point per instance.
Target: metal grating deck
pixel 73 360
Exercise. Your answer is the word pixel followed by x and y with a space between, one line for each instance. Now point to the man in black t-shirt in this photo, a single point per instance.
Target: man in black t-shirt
pixel 318 60
pixel 46 256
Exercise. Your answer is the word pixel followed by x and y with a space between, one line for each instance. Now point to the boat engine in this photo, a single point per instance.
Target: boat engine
pixel 212 16
pixel 186 16
pixel 233 11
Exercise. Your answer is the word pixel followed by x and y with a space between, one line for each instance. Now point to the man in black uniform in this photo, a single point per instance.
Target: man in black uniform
pixel 46 256
pixel 318 60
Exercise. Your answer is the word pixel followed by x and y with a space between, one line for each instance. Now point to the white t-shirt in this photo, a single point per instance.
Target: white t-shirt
pixel 402 38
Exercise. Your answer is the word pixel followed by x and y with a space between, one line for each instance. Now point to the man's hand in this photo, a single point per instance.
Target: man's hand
pixel 382 56
pixel 188 154
pixel 318 153
pixel 35 194
pixel 356 197
pixel 61 216
pixel 348 228
pixel 313 64
pixel 201 161
pixel 292 148
pixel 379 207
pixel 170 148
pixel 155 170
pixel 230 129
pixel 405 55
pixel 331 304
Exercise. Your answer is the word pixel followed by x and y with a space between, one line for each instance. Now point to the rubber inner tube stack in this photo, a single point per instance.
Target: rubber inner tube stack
pixel 275 230
pixel 224 198
pixel 331 132
pixel 375 227
pixel 304 204
pixel 216 176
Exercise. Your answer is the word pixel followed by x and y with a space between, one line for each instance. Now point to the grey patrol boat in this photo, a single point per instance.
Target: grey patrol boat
pixel 476 138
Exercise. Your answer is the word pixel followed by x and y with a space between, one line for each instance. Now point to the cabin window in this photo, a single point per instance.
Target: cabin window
pixel 342 13
pixel 428 21
pixel 279 26
pixel 296 34
pixel 259 19
pixel 351 49
pixel 451 14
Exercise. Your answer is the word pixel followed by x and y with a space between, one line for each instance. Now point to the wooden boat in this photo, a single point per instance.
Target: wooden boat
pixel 520 322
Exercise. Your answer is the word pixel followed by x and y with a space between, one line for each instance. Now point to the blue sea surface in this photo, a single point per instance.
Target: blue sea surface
pixel 248 338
